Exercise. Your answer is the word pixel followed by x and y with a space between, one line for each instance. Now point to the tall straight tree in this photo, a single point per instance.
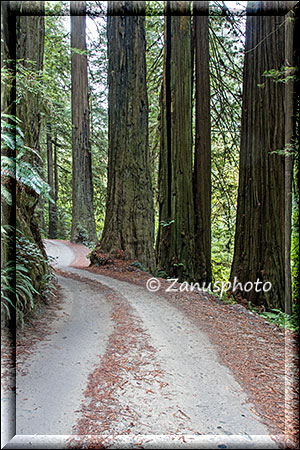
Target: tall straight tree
pixel 175 240
pixel 262 239
pixel 30 31
pixel 129 220
pixel 202 160
pixel 83 220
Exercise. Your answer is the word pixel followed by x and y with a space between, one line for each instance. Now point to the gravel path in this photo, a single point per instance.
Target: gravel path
pixel 121 361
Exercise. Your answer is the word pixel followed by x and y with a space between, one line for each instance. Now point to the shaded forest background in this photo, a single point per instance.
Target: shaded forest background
pixel 39 126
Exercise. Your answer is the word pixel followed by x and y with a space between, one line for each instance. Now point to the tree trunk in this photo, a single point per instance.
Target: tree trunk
pixel 52 228
pixel 8 106
pixel 56 185
pixel 23 41
pixel 202 162
pixel 30 30
pixel 175 241
pixel 83 220
pixel 262 238
pixel 129 220
pixel 296 112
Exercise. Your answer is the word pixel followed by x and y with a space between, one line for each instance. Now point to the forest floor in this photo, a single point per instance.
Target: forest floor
pixel 120 367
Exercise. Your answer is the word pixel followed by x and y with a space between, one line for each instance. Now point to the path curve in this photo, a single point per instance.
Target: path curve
pixel 183 398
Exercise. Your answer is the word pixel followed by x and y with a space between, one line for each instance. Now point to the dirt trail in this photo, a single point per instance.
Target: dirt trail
pixel 120 361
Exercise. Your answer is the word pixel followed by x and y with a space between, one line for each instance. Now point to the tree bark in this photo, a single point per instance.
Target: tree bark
pixel 23 41
pixel 175 241
pixel 202 161
pixel 83 220
pixel 129 220
pixel 30 31
pixel 8 106
pixel 296 136
pixel 262 237
pixel 52 224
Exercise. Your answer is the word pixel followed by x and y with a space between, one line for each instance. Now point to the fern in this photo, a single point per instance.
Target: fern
pixel 16 167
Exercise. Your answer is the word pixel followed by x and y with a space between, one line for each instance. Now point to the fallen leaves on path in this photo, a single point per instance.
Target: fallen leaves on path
pixel 263 357
pixel 129 363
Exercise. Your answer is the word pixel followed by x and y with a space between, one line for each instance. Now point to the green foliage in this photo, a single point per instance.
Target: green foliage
pixel 160 274
pixel 6 286
pixel 288 150
pixel 228 300
pixel 154 8
pixel 226 62
pixel 139 266
pixel 295 250
pixel 154 61
pixel 282 319
pixel 28 254
pixel 156 273
pixel 97 56
pixel 295 211
pixel 17 280
pixel 166 224
pixel 282 75
pixel 18 168
pixel 82 237
pixel 28 80
pixel 57 107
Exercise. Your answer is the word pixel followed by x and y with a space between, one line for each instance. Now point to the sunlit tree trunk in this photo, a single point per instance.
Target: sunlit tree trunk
pixel 263 227
pixel 83 221
pixel 129 220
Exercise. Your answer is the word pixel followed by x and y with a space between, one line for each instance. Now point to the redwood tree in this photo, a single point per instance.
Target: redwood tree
pixel 30 31
pixel 262 240
pixel 202 161
pixel 175 241
pixel 129 220
pixel 83 220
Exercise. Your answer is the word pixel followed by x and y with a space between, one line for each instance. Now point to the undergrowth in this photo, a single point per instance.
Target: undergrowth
pixel 281 319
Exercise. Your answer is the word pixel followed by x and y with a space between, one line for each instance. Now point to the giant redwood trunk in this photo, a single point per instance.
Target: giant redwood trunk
pixel 129 220
pixel 202 161
pixel 175 241
pixel 262 240
pixel 83 221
